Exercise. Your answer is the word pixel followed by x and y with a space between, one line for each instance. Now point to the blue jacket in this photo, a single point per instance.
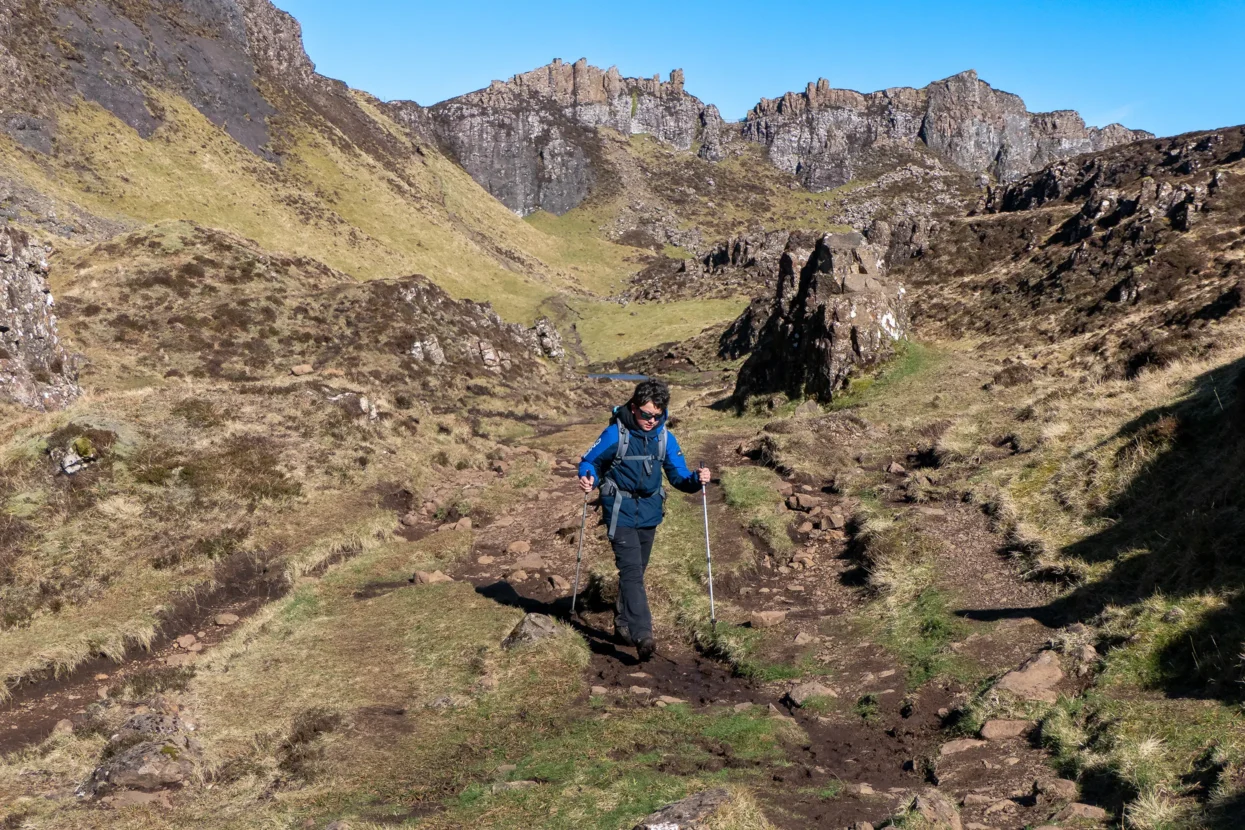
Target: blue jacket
pixel 647 508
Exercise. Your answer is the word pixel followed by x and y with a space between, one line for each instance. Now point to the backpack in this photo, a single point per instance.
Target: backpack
pixel 624 441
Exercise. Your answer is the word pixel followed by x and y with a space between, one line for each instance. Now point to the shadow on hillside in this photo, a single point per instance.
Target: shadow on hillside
pixel 1178 530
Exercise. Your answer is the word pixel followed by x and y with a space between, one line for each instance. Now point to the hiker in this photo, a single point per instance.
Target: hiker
pixel 628 460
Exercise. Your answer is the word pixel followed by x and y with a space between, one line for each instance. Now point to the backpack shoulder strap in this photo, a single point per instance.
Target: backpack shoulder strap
pixel 624 440
pixel 661 446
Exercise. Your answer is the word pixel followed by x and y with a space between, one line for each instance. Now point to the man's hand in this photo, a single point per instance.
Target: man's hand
pixel 703 472
pixel 586 483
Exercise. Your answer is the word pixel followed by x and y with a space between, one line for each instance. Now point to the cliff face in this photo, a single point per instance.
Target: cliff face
pixel 531 141
pixel 34 369
pixel 830 136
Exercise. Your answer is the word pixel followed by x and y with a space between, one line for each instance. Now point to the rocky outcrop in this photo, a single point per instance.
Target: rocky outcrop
pixel 833 316
pixel 1127 258
pixel 829 136
pixel 531 141
pixel 35 371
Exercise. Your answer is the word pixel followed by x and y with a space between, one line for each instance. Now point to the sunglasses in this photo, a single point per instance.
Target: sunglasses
pixel 647 416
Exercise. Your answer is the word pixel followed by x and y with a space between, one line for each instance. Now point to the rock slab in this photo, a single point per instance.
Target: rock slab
pixel 687 814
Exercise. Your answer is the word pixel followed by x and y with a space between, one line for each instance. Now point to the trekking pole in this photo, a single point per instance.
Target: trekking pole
pixel 579 557
pixel 704 500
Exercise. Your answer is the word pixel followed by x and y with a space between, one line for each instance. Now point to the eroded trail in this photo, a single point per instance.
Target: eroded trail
pixel 869 739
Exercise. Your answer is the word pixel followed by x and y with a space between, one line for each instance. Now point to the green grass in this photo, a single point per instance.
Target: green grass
pixel 920 635
pixel 911 360
pixel 610 331
pixel 753 493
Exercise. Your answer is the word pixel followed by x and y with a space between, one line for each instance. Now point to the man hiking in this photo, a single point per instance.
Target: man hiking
pixel 628 460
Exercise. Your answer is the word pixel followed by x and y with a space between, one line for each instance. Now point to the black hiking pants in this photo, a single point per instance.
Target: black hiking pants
pixel 632 546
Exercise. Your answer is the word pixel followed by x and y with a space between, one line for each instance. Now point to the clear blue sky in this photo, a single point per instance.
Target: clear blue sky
pixel 1167 67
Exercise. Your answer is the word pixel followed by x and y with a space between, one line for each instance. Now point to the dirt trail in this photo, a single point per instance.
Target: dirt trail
pixel 872 765
pixel 862 761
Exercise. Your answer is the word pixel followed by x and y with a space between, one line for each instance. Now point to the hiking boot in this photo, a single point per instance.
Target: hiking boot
pixel 621 634
pixel 645 648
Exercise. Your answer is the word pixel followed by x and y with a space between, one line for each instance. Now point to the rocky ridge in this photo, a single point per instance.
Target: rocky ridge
pixel 531 141
pixel 830 136
pixel 35 370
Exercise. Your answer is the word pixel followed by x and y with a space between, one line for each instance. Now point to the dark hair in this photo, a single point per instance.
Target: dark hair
pixel 651 390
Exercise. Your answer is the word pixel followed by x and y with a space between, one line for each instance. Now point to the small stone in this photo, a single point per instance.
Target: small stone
pixel 936 810
pixel 976 799
pixel 862 825
pixel 530 562
pixel 409 520
pixel 531 629
pixel 742 707
pixel 463 524
pixel 486 560
pixel 805 692
pixel 767 619
pixel 195 648
pixel 1001 730
pixel 640 690
pixel 803 639
pixel 64 726
pixel 1005 805
pixel 962 745
pixel 1058 789
pixel 805 527
pixel 896 469
pixel 430 578
pixel 559 583
pixel 517 576
pixel 101 676
pixel 179 659
pixel 302 369
pixel 519 548
pixel 1011 761
pixel 600 690
pixel 504 522
pixel 886 673
pixel 225 619
pixel 670 701
pixel 865 789
pixel 1034 679
pixel 834 521
pixel 186 640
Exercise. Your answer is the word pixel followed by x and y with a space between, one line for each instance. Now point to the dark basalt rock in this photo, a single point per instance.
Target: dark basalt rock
pixel 836 315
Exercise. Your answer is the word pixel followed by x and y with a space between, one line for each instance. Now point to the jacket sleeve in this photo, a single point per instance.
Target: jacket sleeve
pixel 601 455
pixel 676 467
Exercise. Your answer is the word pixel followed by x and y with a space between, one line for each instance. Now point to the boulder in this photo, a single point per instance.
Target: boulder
pixel 531 629
pixel 150 765
pixel 1056 789
pixel 1035 679
pixel 804 692
pixel 559 583
pixel 1001 730
pixel 937 811
pixel 767 619
pixel 1078 810
pixel 429 577
pixel 961 745
pixel 687 814
pixel 830 317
